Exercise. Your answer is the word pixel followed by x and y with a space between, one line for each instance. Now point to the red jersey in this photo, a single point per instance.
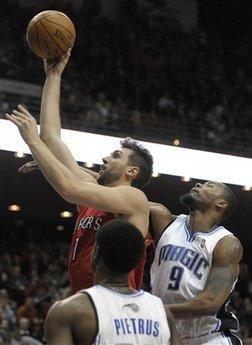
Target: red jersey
pixel 88 222
pixel 136 276
pixel 80 272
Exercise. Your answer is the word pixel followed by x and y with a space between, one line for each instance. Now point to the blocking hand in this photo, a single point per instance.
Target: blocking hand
pixel 56 67
pixel 28 167
pixel 26 124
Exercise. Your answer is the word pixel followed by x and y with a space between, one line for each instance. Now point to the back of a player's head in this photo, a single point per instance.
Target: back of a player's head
pixel 120 246
pixel 141 158
pixel 228 195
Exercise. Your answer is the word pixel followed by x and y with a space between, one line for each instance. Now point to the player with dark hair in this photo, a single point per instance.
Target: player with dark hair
pixel 196 264
pixel 103 196
pixel 111 312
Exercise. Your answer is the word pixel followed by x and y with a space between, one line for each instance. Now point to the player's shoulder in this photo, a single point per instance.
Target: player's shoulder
pixel 229 248
pixel 71 308
pixel 133 193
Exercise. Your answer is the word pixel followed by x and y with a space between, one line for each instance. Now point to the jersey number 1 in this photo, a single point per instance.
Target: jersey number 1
pixel 175 277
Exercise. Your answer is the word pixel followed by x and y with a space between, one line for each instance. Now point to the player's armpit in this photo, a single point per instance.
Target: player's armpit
pixel 160 217
pixel 224 273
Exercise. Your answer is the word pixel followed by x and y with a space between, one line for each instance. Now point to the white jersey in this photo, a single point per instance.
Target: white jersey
pixel 180 269
pixel 129 319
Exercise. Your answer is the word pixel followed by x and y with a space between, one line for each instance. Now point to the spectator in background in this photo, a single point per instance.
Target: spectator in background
pixel 28 309
pixel 24 325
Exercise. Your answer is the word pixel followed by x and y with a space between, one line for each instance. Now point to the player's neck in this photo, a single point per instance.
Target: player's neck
pixel 106 277
pixel 199 221
pixel 119 182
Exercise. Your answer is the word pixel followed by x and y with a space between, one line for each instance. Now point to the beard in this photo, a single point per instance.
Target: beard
pixel 194 203
pixel 108 177
pixel 187 200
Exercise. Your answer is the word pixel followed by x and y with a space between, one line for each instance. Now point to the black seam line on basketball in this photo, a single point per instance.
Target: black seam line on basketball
pixel 45 43
pixel 52 38
pixel 37 36
pixel 61 26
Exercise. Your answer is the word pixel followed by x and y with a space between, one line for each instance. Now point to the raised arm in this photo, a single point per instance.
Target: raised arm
pixel 50 124
pixel 127 201
pixel 224 273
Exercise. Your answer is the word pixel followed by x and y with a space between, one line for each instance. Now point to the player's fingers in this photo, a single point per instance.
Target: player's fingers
pixel 14 119
pixel 23 110
pixel 19 114
pixel 66 56
pixel 22 168
pixel 68 53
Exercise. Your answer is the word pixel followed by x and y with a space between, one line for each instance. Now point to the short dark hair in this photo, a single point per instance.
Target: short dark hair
pixel 141 158
pixel 230 197
pixel 121 245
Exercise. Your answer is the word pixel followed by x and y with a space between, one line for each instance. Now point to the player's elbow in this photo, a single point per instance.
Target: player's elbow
pixel 69 192
pixel 207 306
pixel 66 193
pixel 65 189
pixel 49 137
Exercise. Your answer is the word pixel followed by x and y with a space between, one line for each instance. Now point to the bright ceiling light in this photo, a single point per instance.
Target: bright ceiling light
pixel 88 164
pixel 66 214
pixel 155 174
pixel 186 179
pixel 247 188
pixel 176 142
pixel 14 208
pixel 168 159
pixel 19 154
pixel 60 227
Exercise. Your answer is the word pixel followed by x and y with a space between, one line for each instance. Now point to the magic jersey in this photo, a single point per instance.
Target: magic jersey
pixel 129 319
pixel 80 273
pixel 180 269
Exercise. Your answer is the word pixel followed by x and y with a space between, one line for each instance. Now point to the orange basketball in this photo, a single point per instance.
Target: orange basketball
pixel 49 34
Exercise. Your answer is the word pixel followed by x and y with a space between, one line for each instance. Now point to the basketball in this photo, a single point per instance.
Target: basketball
pixel 49 34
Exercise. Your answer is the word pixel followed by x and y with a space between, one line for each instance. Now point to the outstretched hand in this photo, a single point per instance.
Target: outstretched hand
pixel 26 124
pixel 56 67
pixel 28 167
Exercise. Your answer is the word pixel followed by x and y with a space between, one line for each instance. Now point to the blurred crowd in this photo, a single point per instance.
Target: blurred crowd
pixel 141 74
pixel 33 275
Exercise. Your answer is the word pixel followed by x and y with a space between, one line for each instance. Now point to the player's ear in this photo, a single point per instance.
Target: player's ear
pixel 132 171
pixel 221 204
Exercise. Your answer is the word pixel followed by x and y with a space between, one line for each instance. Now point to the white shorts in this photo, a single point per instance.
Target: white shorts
pixel 217 338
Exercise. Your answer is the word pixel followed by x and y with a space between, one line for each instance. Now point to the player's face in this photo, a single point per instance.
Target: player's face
pixel 203 196
pixel 114 166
